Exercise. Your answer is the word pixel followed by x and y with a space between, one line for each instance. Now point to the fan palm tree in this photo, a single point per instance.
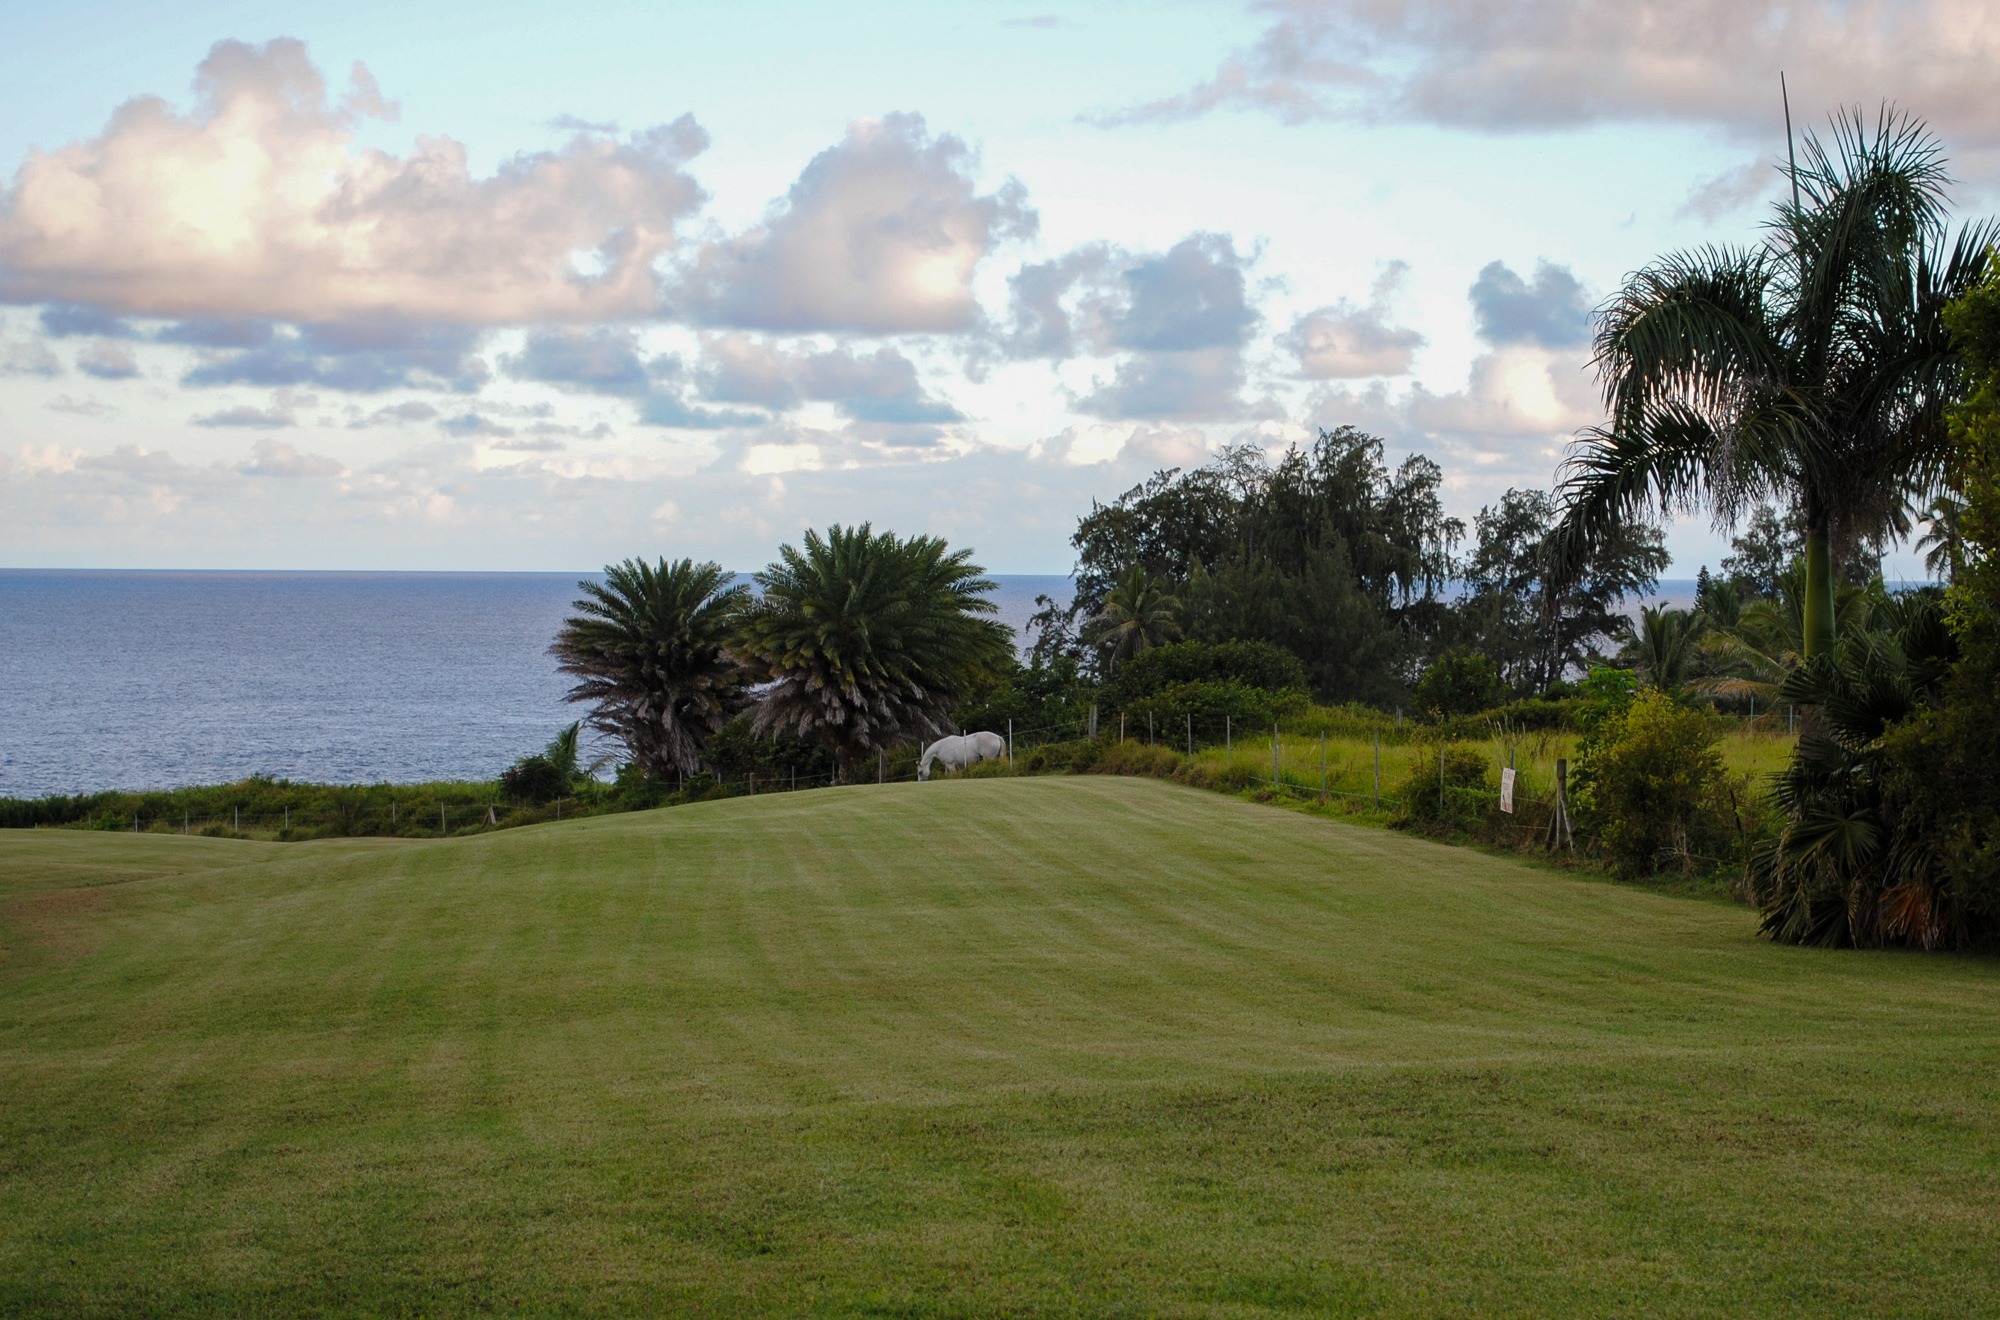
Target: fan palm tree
pixel 1814 370
pixel 863 640
pixel 1138 614
pixel 650 644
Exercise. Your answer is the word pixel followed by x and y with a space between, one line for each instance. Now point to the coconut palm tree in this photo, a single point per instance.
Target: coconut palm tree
pixel 1814 369
pixel 1665 647
pixel 650 644
pixel 863 640
pixel 1138 615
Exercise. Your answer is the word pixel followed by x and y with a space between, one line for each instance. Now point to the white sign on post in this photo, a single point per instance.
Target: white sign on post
pixel 1507 790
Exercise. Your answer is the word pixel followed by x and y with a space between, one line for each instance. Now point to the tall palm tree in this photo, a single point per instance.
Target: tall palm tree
pixel 650 644
pixel 1814 369
pixel 863 640
pixel 1138 614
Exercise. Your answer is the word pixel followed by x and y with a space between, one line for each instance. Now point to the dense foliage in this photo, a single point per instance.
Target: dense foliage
pixel 651 646
pixel 863 640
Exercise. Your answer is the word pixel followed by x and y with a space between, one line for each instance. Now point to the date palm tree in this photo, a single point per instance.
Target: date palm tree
pixel 650 644
pixel 863 640
pixel 1814 370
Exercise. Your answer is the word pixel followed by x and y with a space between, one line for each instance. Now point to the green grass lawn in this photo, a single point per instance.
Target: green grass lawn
pixel 1005 1046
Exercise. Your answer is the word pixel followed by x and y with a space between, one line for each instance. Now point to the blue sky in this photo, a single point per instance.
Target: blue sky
pixel 540 289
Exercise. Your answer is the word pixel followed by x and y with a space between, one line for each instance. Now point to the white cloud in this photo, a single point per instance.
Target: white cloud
pixel 1349 342
pixel 881 235
pixel 28 357
pixel 275 458
pixel 261 203
pixel 1556 63
pixel 107 359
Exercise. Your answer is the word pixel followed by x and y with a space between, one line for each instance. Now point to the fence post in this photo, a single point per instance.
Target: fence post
pixel 1093 721
pixel 236 817
pixel 1277 768
pixel 1190 720
pixel 1440 774
pixel 392 813
pixel 1228 741
pixel 1121 726
pixel 881 765
pixel 1559 832
pixel 288 817
pixel 1010 744
pixel 441 827
pixel 1149 728
pixel 1378 772
pixel 753 784
pixel 1322 765
pixel 795 779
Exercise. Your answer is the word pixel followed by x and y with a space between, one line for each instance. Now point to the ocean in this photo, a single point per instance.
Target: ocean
pixel 112 679
pixel 158 679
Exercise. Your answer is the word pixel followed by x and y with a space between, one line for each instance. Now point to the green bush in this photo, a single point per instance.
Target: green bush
pixel 1456 795
pixel 535 779
pixel 1651 789
pixel 1248 664
pixel 1209 703
pixel 1459 682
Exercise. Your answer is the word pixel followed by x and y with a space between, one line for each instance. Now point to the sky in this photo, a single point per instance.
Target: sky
pixel 519 287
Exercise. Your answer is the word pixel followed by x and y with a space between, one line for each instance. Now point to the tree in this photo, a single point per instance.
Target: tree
pixel 1138 614
pixel 1459 682
pixel 1665 647
pixel 1815 370
pixel 650 644
pixel 863 640
pixel 1539 627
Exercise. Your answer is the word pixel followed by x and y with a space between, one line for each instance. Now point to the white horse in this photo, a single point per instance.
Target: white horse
pixel 960 751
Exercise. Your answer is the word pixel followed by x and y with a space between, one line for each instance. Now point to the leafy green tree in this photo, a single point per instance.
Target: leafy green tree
pixel 1815 370
pixel 863 640
pixel 1139 613
pixel 1461 681
pixel 1651 787
pixel 650 646
pixel 1941 777
pixel 1539 627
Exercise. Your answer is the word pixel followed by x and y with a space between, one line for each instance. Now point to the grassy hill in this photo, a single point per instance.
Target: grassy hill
pixel 1069 1045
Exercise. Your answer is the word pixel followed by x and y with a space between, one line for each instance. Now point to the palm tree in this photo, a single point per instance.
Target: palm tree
pixel 650 644
pixel 1815 369
pixel 1665 648
pixel 863 640
pixel 1138 614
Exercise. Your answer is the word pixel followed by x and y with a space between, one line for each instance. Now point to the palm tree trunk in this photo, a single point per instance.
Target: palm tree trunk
pixel 1819 593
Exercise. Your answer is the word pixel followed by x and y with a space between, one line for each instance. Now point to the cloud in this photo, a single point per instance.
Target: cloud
pixel 877 387
pixel 1096 443
pixel 1347 342
pixel 395 414
pixel 473 425
pixel 1198 385
pixel 218 332
pixel 362 356
pixel 1730 191
pixel 1556 63
pixel 671 410
pixel 275 458
pixel 1036 21
pixel 107 359
pixel 604 360
pixel 1551 310
pixel 28 357
pixel 63 403
pixel 881 234
pixel 262 203
pixel 1100 299
pixel 65 320
pixel 246 415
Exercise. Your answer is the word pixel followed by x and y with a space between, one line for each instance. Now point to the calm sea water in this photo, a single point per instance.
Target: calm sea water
pixel 155 679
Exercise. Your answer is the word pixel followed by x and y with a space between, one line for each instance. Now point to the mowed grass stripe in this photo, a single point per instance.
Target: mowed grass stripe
pixel 973 1047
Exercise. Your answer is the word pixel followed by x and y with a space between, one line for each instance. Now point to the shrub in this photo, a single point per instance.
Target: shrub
pixel 1208 703
pixel 534 779
pixel 1459 682
pixel 1651 787
pixel 1137 758
pixel 1250 664
pixel 1457 798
